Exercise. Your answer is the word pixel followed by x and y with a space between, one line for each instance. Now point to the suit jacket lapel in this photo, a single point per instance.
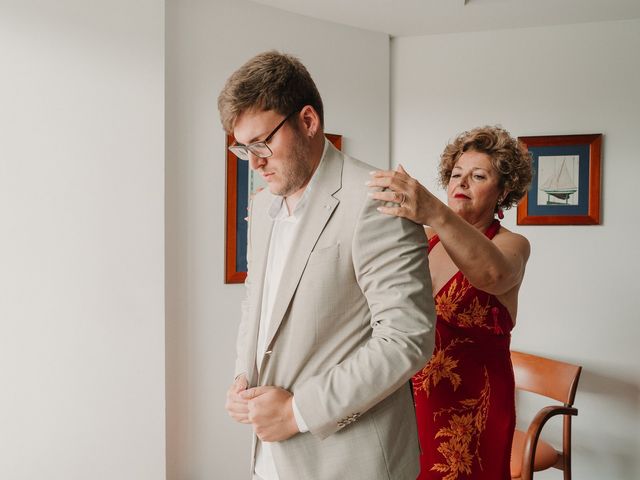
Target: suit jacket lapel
pixel 321 206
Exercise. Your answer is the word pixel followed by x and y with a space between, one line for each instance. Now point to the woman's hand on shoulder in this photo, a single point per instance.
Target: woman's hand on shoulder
pixel 412 200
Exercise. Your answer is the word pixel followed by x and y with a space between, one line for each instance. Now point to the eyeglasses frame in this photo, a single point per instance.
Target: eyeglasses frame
pixel 242 151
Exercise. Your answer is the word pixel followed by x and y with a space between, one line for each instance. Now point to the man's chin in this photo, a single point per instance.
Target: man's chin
pixel 274 190
pixel 281 191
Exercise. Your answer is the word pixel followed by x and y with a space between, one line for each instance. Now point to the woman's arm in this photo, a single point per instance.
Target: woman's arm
pixel 493 266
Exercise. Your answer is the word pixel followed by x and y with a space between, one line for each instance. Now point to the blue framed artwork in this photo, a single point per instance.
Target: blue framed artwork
pixel 565 188
pixel 241 185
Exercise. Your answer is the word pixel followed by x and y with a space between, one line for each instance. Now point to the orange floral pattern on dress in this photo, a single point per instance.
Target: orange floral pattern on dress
pixel 466 424
pixel 441 366
pixel 458 459
pixel 447 302
pixel 475 315
pixel 461 437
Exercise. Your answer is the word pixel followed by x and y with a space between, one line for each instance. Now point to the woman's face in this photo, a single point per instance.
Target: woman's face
pixel 474 187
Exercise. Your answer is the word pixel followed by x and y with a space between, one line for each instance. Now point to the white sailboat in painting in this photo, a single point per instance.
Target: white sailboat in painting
pixel 561 181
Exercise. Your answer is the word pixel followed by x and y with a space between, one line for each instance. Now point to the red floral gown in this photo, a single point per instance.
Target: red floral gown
pixel 464 396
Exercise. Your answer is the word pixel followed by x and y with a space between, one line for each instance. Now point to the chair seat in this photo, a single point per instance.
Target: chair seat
pixel 546 455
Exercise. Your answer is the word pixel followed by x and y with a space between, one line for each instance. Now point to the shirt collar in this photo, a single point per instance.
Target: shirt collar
pixel 278 209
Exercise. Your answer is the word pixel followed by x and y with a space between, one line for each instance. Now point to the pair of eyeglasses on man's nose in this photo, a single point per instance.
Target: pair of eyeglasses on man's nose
pixel 259 149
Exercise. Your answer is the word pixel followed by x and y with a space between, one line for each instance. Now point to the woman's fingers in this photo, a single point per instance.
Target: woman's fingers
pixel 382 173
pixel 387 179
pixel 389 196
pixel 382 182
pixel 411 199
pixel 394 203
pixel 395 211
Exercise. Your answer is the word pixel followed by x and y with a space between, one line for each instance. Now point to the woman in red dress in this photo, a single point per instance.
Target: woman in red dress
pixel 464 396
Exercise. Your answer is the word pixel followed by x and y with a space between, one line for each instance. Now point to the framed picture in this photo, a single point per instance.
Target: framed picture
pixel 565 189
pixel 241 184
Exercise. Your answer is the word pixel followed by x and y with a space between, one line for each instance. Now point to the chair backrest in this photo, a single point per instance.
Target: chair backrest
pixel 544 376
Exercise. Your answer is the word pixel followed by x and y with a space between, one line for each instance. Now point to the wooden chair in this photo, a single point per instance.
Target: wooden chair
pixel 555 380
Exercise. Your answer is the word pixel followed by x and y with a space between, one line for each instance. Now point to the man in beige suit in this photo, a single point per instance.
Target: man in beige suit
pixel 339 312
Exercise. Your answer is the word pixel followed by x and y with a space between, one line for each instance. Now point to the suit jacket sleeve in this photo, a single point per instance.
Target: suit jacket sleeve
pixel 243 328
pixel 391 267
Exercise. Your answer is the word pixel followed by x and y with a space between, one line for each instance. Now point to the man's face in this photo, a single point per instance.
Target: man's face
pixel 289 169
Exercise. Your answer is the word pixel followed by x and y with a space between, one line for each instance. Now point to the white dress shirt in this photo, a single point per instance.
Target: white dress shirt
pixel 283 235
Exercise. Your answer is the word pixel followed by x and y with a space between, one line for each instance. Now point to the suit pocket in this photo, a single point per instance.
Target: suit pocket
pixel 325 254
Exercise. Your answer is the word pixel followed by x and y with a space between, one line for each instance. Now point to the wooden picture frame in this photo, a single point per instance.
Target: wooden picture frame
pixel 238 193
pixel 565 189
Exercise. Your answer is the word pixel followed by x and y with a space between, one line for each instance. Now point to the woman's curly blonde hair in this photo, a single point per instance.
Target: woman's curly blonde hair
pixel 509 158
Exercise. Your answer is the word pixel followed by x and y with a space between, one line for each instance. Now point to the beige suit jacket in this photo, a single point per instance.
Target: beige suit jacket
pixel 352 321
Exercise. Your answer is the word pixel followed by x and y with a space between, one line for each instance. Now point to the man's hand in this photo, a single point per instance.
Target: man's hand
pixel 271 413
pixel 238 407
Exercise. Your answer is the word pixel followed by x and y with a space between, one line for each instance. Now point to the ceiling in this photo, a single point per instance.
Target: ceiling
pixel 424 17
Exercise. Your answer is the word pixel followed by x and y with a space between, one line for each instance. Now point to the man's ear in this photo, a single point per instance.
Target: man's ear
pixel 309 120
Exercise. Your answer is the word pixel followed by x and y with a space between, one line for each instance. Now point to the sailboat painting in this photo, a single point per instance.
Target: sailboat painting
pixel 559 180
pixel 565 183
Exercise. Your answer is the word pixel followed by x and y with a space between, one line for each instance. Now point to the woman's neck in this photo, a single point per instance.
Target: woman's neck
pixel 481 223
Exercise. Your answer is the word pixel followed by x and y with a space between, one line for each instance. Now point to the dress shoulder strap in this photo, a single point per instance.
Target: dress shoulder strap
pixel 433 241
pixel 493 229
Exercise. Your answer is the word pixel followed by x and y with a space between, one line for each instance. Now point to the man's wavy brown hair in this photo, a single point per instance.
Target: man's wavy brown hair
pixel 509 158
pixel 269 81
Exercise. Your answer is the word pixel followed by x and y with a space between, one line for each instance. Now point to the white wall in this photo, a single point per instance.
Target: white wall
pixel 206 41
pixel 81 240
pixel 580 299
pixel 81 197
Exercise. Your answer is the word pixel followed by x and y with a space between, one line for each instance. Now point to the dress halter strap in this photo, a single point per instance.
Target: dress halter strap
pixel 433 241
pixel 490 232
pixel 493 229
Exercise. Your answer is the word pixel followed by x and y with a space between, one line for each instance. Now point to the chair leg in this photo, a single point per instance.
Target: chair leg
pixel 566 446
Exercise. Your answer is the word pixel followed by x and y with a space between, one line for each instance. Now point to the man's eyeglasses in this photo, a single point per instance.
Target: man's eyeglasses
pixel 259 149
